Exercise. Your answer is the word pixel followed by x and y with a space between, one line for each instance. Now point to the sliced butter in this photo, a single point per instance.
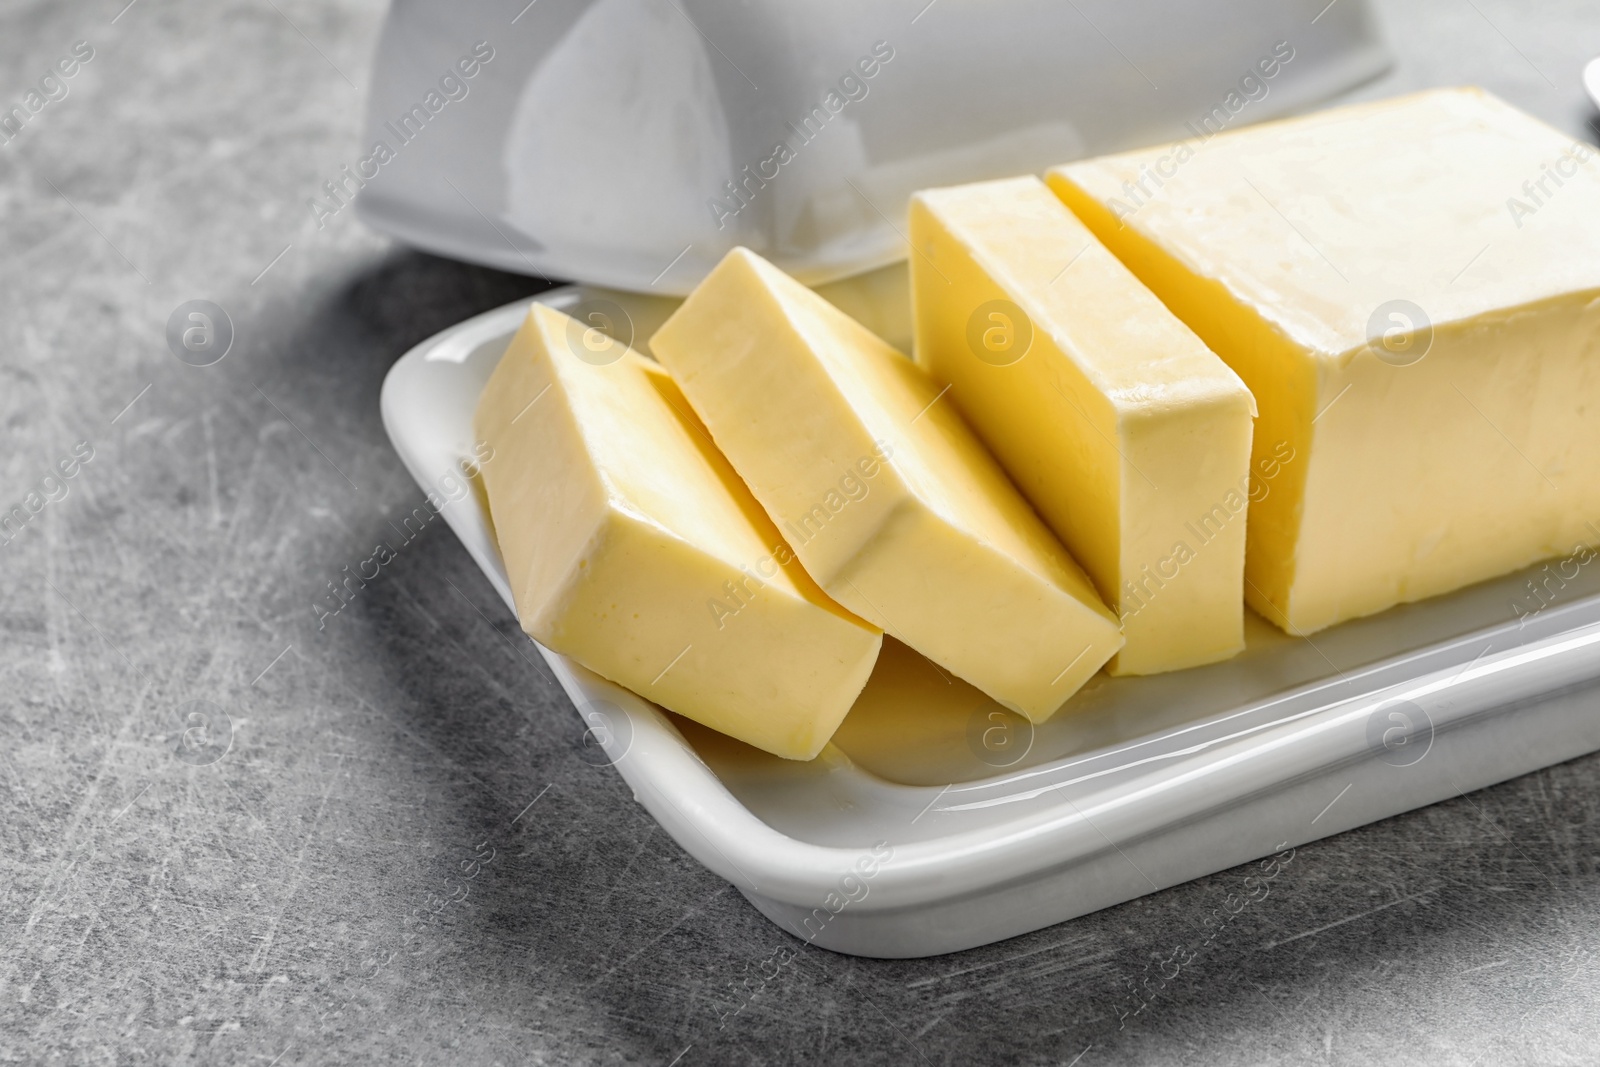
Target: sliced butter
pixel 1130 437
pixel 1411 288
pixel 633 547
pixel 889 501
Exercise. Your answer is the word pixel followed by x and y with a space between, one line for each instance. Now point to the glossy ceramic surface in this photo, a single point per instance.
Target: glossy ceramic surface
pixel 631 145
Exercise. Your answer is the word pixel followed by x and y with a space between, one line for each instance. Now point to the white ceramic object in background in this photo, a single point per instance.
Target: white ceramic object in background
pixel 597 141
pixel 931 825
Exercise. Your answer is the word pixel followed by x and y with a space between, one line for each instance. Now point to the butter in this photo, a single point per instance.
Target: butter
pixel 1130 437
pixel 889 501
pixel 1410 290
pixel 633 547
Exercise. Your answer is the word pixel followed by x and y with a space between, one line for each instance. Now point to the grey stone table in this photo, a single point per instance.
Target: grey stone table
pixel 402 856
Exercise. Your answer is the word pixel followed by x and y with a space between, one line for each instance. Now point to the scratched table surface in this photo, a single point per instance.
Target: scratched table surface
pixel 234 832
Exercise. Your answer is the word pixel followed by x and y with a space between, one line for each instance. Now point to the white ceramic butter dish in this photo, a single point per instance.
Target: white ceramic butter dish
pixel 935 822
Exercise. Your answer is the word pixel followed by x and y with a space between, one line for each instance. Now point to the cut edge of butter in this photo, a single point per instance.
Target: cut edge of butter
pixel 794 391
pixel 1126 433
pixel 632 546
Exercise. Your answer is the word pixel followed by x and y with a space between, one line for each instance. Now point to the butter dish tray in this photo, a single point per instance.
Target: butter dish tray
pixel 936 821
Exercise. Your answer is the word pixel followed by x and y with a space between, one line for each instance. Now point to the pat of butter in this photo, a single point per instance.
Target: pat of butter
pixel 1129 436
pixel 1411 289
pixel 633 547
pixel 889 501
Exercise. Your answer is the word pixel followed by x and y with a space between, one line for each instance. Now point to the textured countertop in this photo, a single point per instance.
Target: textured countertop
pixel 402 855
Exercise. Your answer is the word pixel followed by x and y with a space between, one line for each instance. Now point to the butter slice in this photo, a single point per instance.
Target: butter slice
pixel 1130 437
pixel 1321 257
pixel 890 502
pixel 633 547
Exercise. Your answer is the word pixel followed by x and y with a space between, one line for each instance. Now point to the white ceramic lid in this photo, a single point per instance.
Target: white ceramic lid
pixel 631 145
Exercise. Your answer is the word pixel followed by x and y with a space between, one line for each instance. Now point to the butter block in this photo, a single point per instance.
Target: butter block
pixel 889 501
pixel 1410 290
pixel 1130 437
pixel 634 548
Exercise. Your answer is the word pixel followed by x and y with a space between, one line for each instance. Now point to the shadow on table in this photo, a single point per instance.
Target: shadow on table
pixel 368 321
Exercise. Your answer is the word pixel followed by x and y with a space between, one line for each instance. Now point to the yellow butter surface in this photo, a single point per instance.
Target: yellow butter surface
pixel 1130 437
pixel 1411 289
pixel 888 499
pixel 634 548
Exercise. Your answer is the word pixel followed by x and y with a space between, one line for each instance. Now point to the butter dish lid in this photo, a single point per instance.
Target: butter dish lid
pixel 632 145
